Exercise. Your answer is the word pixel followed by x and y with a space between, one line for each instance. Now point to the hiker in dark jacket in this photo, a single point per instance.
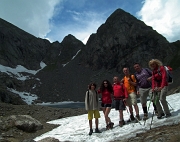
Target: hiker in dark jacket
pixel 159 87
pixel 143 86
pixel 92 106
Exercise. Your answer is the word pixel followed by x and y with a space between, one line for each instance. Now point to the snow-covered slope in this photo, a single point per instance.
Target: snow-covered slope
pixel 76 128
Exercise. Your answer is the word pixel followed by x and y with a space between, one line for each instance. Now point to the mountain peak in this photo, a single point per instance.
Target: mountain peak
pixel 121 15
pixel 123 39
pixel 69 37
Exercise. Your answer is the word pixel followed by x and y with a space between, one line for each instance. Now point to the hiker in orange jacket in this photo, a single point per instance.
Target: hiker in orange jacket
pixel 130 84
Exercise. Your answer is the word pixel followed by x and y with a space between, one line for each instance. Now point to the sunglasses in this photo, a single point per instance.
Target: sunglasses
pixel 105 83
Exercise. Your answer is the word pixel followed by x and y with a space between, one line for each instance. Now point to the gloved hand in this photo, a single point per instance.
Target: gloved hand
pixel 158 89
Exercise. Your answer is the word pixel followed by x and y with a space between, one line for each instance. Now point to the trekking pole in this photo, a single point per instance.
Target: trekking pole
pixel 156 99
pixel 130 114
pixel 170 106
pixel 152 119
pixel 127 111
pixel 138 120
pixel 149 105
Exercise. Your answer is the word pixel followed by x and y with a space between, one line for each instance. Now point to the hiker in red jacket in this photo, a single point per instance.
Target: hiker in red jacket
pixel 120 95
pixel 159 87
pixel 106 91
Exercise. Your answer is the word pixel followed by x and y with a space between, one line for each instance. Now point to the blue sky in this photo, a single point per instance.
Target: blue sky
pixel 55 19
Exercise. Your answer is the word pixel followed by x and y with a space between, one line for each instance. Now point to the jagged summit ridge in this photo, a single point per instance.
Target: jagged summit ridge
pixel 123 39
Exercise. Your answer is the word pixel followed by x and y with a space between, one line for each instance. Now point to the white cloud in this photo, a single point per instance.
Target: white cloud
pixel 32 16
pixel 163 16
pixel 84 24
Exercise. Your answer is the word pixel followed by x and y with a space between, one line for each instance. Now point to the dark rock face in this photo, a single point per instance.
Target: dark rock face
pixel 123 40
pixel 71 65
pixel 20 48
pixel 70 46
pixel 176 59
pixel 7 96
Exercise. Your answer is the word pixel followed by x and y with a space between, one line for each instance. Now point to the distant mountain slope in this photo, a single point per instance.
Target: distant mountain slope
pixel 175 62
pixel 71 65
pixel 20 47
pixel 123 40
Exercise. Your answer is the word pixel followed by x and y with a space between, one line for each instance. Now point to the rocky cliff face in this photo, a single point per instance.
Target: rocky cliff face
pixel 17 47
pixel 71 65
pixel 123 40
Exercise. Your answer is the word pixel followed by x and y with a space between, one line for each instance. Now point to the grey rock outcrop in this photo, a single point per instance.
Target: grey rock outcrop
pixel 49 139
pixel 22 122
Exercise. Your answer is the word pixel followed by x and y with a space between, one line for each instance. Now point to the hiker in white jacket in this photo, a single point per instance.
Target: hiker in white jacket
pixel 92 106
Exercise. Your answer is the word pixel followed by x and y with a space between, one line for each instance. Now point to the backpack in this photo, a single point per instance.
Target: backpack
pixel 88 96
pixel 148 71
pixel 169 74
pixel 130 77
pixel 133 81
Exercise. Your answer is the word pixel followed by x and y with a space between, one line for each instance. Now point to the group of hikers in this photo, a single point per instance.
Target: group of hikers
pixel 124 92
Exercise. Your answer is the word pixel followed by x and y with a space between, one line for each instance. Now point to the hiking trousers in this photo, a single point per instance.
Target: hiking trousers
pixel 162 99
pixel 144 93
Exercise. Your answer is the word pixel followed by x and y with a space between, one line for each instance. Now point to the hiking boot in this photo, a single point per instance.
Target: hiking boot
pixel 168 115
pixel 129 120
pixel 91 131
pixel 145 117
pixel 156 112
pixel 108 127
pixel 97 130
pixel 132 117
pixel 138 117
pixel 160 115
pixel 121 123
pixel 111 125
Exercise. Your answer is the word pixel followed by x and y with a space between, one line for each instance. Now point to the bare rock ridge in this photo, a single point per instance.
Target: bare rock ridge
pixel 123 40
pixel 20 48
pixel 71 65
